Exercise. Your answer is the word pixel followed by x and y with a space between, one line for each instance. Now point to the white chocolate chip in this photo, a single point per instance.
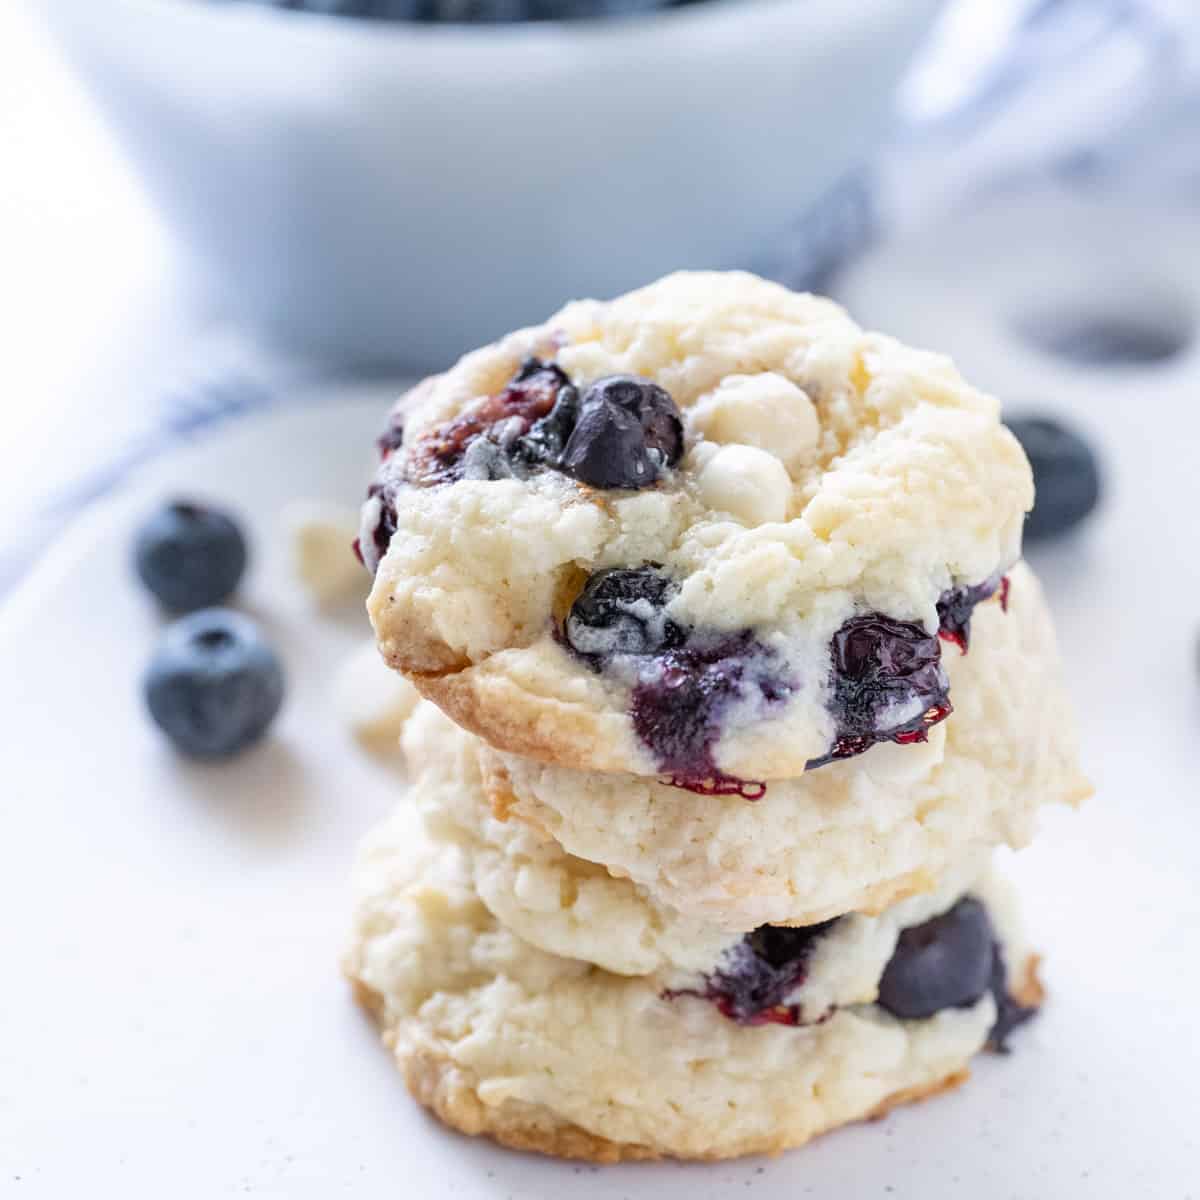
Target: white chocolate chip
pixel 373 700
pixel 322 539
pixel 746 482
pixel 767 411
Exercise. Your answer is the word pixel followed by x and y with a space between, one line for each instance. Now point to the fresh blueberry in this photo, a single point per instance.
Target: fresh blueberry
pixel 944 963
pixel 214 684
pixel 623 612
pixel 1097 339
pixel 628 432
pixel 757 974
pixel 1066 475
pixel 882 668
pixel 190 556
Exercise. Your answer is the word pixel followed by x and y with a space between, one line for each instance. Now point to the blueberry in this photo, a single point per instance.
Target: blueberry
pixel 685 678
pixel 1010 1014
pixel 944 963
pixel 566 10
pixel 476 11
pixel 956 606
pixel 335 8
pixel 510 423
pixel 1065 474
pixel 628 432
pixel 547 437
pixel 190 556
pixel 392 438
pixel 623 432
pixel 757 974
pixel 882 668
pixel 214 684
pixel 331 8
pixel 472 11
pixel 679 702
pixel 622 612
pixel 384 528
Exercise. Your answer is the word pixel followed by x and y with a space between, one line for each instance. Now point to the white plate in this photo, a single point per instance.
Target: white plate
pixel 172 1019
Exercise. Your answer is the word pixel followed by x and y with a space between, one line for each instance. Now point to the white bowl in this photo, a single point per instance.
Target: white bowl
pixel 398 193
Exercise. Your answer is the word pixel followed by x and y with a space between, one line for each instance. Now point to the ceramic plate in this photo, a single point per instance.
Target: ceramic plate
pixel 173 1022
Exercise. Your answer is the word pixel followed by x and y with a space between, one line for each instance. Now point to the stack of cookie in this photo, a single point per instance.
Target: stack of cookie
pixel 733 680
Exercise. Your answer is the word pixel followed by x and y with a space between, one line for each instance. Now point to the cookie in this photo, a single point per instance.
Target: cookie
pixel 571 907
pixel 710 530
pixel 551 1053
pixel 854 836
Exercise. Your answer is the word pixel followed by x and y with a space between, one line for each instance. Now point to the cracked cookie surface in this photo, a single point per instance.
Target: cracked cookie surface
pixel 786 473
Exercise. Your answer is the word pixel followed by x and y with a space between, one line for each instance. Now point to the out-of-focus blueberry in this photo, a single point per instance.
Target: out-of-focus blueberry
pixel 214 684
pixel 189 555
pixel 493 12
pixel 1065 474
pixel 569 10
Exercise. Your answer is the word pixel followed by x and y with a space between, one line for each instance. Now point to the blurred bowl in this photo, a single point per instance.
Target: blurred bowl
pixel 395 193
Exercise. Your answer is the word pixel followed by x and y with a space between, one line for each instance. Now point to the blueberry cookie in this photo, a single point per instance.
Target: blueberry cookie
pixel 571 907
pixel 710 530
pixel 775 1042
pixel 853 836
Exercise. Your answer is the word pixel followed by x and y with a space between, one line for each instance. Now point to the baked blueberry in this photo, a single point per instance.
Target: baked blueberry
pixel 887 683
pixel 685 678
pixel 448 452
pixel 214 684
pixel 682 695
pixel 1066 475
pixel 623 612
pixel 622 433
pixel 392 438
pixel 545 441
pixel 383 526
pixel 628 432
pixel 756 976
pixel 945 962
pixel 1010 1014
pixel 189 555
pixel 956 606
